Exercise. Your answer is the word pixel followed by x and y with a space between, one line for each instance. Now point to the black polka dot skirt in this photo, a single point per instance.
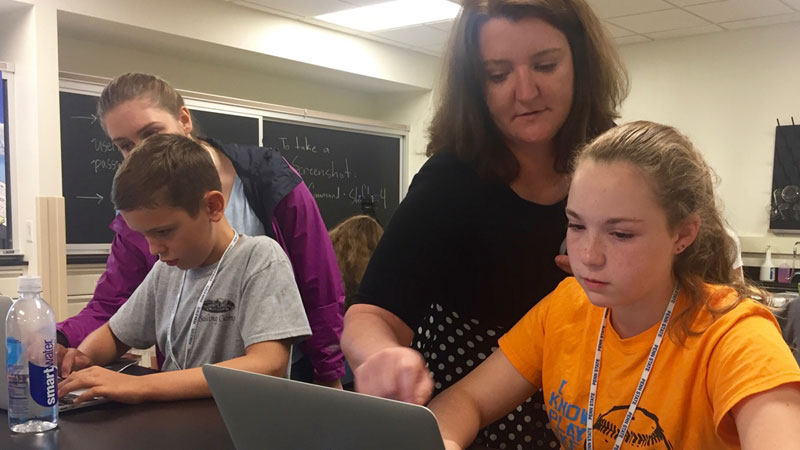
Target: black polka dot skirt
pixel 452 346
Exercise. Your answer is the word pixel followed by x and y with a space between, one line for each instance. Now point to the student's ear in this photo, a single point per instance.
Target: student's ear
pixel 687 233
pixel 185 120
pixel 215 204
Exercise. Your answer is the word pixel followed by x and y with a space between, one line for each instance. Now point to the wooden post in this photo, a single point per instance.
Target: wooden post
pixel 52 252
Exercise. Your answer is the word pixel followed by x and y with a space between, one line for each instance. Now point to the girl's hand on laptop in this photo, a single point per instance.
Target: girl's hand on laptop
pixel 71 359
pixel 101 382
pixel 398 373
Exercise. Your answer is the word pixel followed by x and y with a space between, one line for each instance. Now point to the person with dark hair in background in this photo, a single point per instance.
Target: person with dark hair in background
pixel 473 245
pixel 263 196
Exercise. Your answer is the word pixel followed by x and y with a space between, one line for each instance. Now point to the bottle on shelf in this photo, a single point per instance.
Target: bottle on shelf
pixel 767 268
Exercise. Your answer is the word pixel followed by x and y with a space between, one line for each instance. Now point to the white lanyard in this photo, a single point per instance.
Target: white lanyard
pixel 197 309
pixel 645 374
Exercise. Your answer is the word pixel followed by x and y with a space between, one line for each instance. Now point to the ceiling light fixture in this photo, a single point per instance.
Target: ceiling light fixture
pixel 393 14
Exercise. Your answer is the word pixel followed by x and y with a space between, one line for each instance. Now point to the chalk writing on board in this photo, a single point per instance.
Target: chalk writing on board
pixel 305 146
pixel 337 181
pixel 103 146
pixel 353 194
pixel 104 165
pixel 333 171
pixel 91 117
pixel 340 166
pixel 96 196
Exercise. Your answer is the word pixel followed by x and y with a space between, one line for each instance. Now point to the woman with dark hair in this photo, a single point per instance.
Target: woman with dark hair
pixel 472 246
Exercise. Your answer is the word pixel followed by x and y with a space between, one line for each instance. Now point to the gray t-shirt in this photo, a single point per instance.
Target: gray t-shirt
pixel 254 298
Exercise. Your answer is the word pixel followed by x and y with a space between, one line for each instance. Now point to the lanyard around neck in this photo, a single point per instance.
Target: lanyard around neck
pixel 197 309
pixel 639 388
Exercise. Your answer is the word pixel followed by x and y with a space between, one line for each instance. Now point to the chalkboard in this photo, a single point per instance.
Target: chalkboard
pixel 89 161
pixel 340 167
pixel 226 128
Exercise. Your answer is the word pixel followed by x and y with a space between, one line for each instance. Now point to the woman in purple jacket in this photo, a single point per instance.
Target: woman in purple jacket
pixel 265 196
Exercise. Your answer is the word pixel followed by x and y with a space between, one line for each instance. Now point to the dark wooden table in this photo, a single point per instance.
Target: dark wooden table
pixel 189 424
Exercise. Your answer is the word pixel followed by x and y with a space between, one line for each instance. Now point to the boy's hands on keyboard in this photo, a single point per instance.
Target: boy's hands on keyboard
pixel 98 381
pixel 71 359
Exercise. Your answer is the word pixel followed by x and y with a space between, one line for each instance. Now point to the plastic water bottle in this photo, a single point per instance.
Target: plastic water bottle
pixel 31 361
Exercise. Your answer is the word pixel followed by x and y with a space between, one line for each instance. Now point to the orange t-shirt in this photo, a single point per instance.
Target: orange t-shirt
pixel 691 389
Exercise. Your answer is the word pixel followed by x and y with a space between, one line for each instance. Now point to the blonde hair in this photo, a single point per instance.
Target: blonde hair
pixel 462 123
pixel 354 241
pixel 683 184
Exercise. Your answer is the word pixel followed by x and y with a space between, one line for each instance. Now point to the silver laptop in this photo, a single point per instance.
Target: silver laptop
pixel 264 412
pixel 127 366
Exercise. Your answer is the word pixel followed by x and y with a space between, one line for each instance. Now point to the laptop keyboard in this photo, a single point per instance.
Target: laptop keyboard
pixel 67 399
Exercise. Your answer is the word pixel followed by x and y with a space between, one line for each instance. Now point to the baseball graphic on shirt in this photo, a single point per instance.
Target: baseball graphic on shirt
pixel 644 430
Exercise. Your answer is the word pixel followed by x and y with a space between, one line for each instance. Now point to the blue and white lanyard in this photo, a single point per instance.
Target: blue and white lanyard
pixel 197 310
pixel 645 374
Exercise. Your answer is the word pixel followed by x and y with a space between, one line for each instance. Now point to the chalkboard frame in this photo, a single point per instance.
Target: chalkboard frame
pixel 92 85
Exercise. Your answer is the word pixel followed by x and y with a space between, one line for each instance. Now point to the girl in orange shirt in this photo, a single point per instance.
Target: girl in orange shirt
pixel 654 343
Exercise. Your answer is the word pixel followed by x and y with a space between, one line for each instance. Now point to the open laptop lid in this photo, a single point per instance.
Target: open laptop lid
pixel 261 412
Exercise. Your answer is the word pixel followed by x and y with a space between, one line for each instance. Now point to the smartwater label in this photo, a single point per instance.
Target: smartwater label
pixel 43 384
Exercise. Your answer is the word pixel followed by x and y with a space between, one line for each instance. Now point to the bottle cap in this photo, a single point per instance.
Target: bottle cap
pixel 29 283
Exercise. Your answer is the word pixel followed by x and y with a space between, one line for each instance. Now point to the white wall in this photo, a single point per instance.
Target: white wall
pixel 28 36
pixel 725 90
pixel 237 27
pixel 415 110
pixel 99 59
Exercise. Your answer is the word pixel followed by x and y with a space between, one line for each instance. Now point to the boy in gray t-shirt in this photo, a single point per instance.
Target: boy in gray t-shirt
pixel 214 297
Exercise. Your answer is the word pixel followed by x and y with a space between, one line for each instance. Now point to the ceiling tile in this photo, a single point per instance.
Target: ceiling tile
pixel 692 2
pixel 731 10
pixel 635 39
pixel 762 21
pixel 793 3
pixel 615 8
pixel 616 31
pixel 300 8
pixel 652 22
pixel 418 36
pixel 363 2
pixel 669 34
pixel 438 49
pixel 447 25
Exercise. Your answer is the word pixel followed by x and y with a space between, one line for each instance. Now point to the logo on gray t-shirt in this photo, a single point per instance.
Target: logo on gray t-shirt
pixel 218 305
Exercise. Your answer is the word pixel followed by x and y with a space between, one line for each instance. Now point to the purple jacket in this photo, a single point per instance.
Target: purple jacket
pixel 298 228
